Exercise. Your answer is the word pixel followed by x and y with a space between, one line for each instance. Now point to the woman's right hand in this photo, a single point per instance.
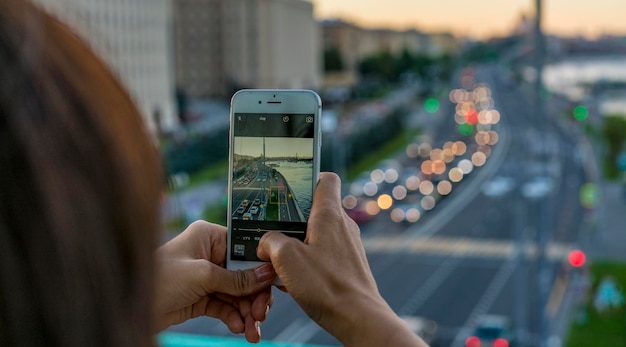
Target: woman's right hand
pixel 329 277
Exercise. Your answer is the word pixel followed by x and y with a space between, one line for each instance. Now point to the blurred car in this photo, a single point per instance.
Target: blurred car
pixel 247 216
pixel 359 214
pixel 498 186
pixel 245 203
pixel 254 210
pixel 424 328
pixel 491 331
pixel 538 187
pixel 241 210
pixel 256 202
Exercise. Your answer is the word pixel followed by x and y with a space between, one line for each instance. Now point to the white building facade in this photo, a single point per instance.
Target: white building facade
pixel 134 38
pixel 222 45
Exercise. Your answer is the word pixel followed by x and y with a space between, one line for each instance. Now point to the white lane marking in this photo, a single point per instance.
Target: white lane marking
pixel 489 297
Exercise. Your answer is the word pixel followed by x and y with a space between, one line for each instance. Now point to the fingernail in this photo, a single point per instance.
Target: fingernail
pixel 264 272
pixel 257 324
pixel 267 310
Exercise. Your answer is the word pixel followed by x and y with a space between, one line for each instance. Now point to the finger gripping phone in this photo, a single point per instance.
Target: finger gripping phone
pixel 275 141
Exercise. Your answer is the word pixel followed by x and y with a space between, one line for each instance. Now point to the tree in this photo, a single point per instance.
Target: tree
pixel 333 60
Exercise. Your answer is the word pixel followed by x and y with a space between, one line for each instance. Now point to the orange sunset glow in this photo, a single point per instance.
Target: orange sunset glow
pixel 480 18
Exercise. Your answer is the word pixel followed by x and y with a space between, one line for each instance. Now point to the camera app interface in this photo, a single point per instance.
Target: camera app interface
pixel 272 183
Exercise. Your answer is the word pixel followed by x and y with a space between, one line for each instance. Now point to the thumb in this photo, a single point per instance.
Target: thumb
pixel 277 247
pixel 240 282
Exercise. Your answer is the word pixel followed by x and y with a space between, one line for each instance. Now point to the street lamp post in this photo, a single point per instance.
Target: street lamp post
pixel 542 231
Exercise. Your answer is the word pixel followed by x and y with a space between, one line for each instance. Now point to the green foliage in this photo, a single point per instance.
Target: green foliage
pixel 216 213
pixel 333 60
pixel 387 67
pixel 600 329
pixel 195 153
pixel 395 144
pixel 271 211
pixel 614 134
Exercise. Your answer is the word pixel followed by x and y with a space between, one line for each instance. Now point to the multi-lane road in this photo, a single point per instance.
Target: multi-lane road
pixel 263 193
pixel 479 251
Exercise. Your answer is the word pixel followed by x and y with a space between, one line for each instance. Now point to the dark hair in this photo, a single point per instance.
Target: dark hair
pixel 79 193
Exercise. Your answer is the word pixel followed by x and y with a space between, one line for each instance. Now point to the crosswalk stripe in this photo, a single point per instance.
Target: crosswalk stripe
pixel 461 247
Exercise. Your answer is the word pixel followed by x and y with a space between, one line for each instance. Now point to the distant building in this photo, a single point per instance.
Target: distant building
pixel 224 45
pixel 133 38
pixel 355 44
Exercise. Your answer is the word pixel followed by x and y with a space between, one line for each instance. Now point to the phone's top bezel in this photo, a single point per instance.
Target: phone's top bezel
pixel 275 101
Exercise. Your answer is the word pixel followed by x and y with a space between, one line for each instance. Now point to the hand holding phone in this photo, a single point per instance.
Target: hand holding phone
pixel 275 141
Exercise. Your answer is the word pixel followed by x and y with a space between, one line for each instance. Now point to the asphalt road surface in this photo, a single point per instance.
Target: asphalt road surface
pixel 479 251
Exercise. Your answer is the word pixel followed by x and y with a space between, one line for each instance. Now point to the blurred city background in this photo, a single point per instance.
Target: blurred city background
pixel 481 147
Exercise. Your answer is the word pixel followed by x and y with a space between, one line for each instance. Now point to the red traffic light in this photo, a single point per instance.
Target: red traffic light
pixel 472 341
pixel 577 258
pixel 501 343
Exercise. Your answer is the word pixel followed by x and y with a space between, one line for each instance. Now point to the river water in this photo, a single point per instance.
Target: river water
pixel 569 77
pixel 299 176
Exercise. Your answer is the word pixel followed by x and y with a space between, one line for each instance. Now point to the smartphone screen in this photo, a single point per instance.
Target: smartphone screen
pixel 273 174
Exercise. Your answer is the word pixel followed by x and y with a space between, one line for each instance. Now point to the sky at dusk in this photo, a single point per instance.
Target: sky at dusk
pixel 480 18
pixel 274 146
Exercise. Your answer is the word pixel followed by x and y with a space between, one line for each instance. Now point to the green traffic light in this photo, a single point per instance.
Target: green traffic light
pixel 581 113
pixel 466 129
pixel 431 105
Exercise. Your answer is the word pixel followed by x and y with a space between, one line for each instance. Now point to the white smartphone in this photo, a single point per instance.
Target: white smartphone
pixel 275 140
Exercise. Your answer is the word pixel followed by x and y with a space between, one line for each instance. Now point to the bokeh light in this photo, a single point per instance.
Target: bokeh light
pixel 372 208
pixel 444 187
pixel 448 155
pixel 466 166
pixel 466 129
pixel 479 159
pixel 486 150
pixel 428 203
pixel 472 341
pixel 439 167
pixel 493 138
pixel 370 188
pixel 481 138
pixel 425 149
pixel 580 113
pixel 426 187
pixel 356 189
pixel 397 215
pixel 349 202
pixel 412 150
pixel 459 148
pixel 577 258
pixel 455 175
pixel 385 201
pixel 436 154
pixel 412 183
pixel 589 195
pixel 399 192
pixel 377 176
pixel 472 117
pixel 412 215
pixel 427 167
pixel 391 175
pixel 495 117
pixel 431 105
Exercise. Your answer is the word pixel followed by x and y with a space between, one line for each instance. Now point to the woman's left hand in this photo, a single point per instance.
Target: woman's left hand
pixel 192 282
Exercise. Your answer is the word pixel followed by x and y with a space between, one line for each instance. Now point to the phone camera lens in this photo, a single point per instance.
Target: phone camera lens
pixel 259 102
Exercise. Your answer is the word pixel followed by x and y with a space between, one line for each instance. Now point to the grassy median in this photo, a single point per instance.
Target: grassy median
pixel 590 327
